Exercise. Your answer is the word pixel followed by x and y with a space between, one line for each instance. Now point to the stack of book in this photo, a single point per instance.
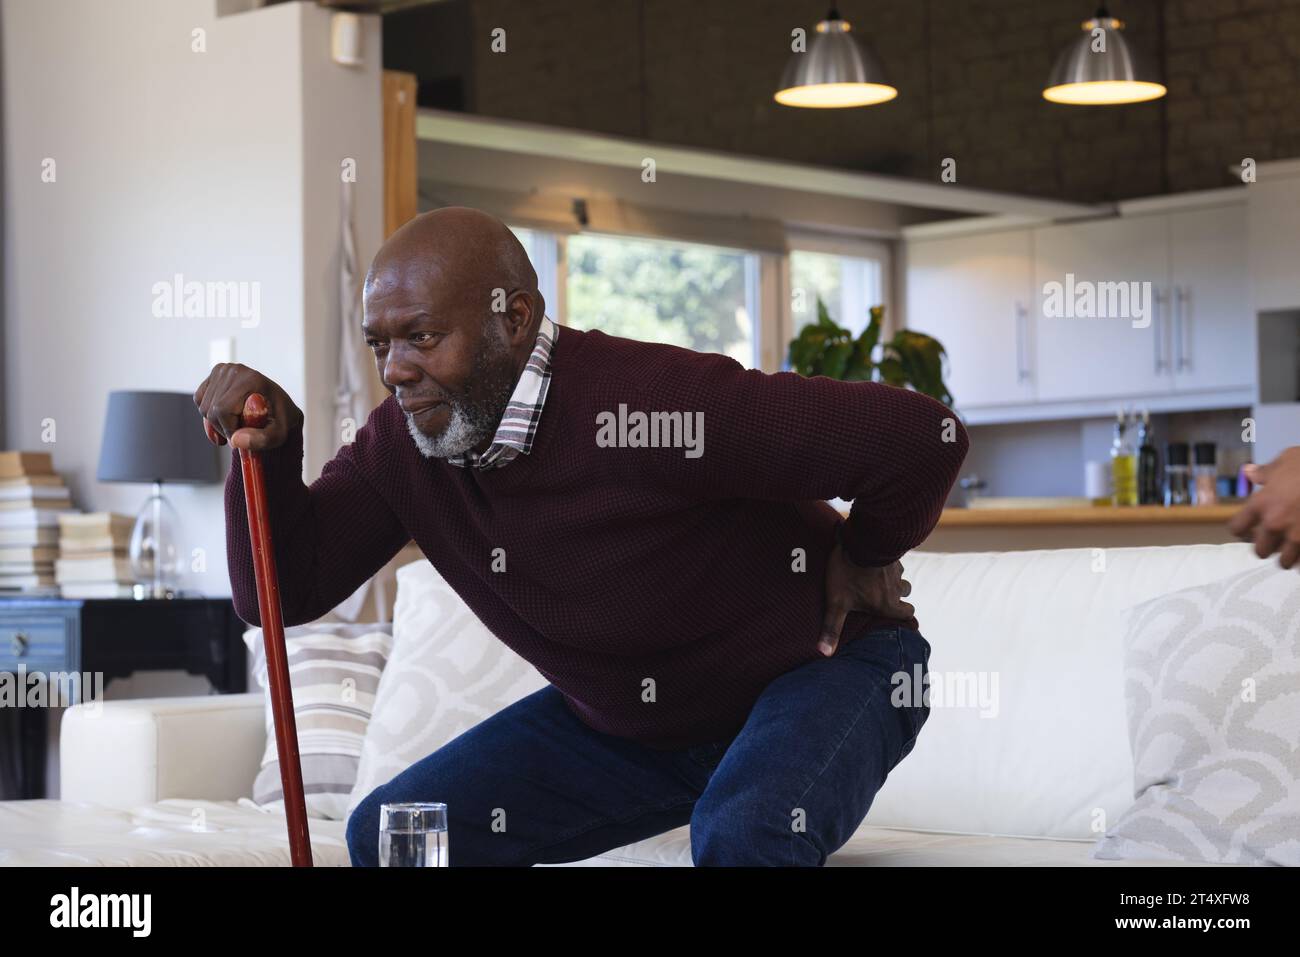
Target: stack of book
pixel 32 496
pixel 93 555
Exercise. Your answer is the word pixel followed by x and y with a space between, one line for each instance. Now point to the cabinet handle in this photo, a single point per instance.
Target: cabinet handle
pixel 1161 362
pixel 18 644
pixel 1022 364
pixel 1184 295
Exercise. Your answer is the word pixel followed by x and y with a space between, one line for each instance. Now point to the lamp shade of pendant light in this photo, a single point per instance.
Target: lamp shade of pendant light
pixel 1100 69
pixel 836 70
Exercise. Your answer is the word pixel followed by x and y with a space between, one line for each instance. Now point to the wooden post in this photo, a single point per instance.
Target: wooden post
pixel 401 173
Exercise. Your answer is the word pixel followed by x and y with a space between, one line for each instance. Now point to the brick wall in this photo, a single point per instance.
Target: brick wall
pixel 970 76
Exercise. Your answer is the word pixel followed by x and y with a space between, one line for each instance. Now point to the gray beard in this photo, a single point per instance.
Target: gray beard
pixel 472 422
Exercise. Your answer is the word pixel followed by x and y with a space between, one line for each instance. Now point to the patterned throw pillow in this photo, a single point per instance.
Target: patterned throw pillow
pixel 447 673
pixel 1212 682
pixel 334 670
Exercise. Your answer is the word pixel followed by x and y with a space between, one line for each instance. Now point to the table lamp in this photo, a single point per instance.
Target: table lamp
pixel 156 437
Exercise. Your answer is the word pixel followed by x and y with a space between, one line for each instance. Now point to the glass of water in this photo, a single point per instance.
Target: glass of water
pixel 413 835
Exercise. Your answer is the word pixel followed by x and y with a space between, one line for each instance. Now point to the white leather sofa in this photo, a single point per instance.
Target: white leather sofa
pixel 1029 776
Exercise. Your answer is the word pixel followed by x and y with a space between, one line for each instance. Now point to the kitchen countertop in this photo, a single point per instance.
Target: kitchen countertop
pixel 1083 526
pixel 1088 515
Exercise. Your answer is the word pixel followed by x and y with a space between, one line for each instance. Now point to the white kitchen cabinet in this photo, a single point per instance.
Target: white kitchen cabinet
pixel 1121 346
pixel 1273 206
pixel 973 293
pixel 1212 325
pixel 1161 316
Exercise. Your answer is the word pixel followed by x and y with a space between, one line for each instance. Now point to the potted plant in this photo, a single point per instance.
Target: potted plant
pixel 910 358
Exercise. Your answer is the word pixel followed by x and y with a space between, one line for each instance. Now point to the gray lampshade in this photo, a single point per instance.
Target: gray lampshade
pixel 156 437
pixel 1102 70
pixel 836 70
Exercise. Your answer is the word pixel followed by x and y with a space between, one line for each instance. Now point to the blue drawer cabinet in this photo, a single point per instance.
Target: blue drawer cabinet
pixel 36 639
pixel 103 639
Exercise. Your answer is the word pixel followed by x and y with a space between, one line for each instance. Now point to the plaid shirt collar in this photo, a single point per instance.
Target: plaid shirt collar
pixel 519 421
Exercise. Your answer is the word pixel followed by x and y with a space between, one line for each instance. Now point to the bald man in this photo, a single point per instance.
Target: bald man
pixel 648 527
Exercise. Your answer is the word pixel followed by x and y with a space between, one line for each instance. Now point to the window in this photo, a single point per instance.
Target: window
pixel 848 285
pixel 543 253
pixel 705 297
pixel 686 294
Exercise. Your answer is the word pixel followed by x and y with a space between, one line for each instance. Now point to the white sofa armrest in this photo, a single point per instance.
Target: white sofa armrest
pixel 142 750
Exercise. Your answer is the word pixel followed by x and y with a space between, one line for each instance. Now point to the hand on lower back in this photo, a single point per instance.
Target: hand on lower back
pixel 851 587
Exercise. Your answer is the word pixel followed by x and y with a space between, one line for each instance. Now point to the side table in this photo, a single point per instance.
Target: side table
pixel 114 637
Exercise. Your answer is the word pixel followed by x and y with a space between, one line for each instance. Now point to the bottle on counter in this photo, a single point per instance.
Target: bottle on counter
pixel 1123 466
pixel 973 486
pixel 1244 485
pixel 1096 482
pixel 1148 465
pixel 1204 474
pixel 1178 488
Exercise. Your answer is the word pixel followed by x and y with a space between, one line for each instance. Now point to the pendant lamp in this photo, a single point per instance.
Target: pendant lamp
pixel 1099 68
pixel 836 70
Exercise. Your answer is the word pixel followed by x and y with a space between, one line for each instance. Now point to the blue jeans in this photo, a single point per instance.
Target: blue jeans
pixel 534 785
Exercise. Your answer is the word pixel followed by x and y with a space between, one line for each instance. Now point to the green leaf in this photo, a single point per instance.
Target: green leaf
pixel 891 371
pixel 865 344
pixel 806 350
pixel 824 317
pixel 856 371
pixel 920 361
pixel 836 358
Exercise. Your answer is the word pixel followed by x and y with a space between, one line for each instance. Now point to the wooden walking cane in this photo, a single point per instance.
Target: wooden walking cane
pixel 256 415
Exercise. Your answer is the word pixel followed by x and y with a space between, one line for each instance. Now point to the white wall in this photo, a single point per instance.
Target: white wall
pixel 342 118
pixel 220 165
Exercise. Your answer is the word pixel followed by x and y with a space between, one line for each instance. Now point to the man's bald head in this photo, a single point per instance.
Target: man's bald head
pixel 466 248
pixel 452 311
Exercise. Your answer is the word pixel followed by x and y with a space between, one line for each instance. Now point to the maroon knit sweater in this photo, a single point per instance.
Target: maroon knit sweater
pixel 627 565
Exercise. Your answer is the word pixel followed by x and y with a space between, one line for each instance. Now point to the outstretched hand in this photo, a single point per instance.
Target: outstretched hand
pixel 1271 516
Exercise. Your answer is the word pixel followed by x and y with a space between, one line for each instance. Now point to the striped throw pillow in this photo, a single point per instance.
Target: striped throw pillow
pixel 334 670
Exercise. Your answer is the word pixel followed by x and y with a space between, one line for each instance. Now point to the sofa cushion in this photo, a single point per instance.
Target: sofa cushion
pixel 178 832
pixel 334 670
pixel 1047 753
pixel 1212 679
pixel 890 847
pixel 181 832
pixel 447 673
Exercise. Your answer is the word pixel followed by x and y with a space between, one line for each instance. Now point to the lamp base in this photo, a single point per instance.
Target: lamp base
pixel 155 564
pixel 142 591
